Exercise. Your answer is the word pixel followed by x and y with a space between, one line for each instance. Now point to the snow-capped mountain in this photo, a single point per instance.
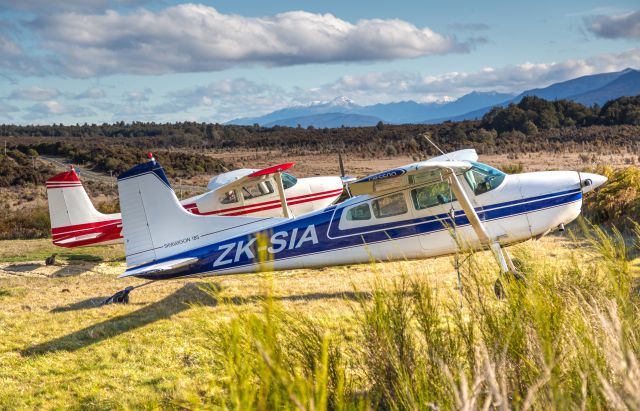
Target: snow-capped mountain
pixel 587 90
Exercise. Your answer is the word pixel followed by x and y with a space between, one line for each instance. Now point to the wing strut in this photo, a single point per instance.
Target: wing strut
pixel 475 221
pixel 283 197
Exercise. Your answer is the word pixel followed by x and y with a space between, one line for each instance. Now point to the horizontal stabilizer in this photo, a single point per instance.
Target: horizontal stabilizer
pixel 164 267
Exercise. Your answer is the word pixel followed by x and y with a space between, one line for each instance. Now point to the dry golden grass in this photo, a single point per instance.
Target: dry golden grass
pixel 60 349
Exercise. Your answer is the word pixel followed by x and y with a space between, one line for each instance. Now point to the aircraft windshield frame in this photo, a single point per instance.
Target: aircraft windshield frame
pixel 483 178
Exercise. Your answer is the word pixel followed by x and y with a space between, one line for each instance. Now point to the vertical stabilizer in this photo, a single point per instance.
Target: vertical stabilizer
pixel 74 219
pixel 155 224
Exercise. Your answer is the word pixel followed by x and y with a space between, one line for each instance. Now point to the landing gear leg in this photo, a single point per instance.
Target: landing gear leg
pixel 122 296
pixel 499 289
pixel 507 266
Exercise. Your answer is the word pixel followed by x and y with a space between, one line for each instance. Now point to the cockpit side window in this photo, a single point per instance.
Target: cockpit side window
pixel 432 195
pixel 288 180
pixel 229 197
pixel 257 189
pixel 482 178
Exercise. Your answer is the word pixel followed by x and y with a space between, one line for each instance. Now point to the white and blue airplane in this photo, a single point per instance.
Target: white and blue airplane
pixel 403 213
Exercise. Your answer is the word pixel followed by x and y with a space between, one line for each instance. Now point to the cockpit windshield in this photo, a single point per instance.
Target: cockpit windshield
pixel 288 180
pixel 483 178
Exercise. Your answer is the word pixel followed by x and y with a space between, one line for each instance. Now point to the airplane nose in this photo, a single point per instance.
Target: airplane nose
pixel 590 181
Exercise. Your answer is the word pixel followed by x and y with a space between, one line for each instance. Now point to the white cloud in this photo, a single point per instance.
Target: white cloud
pixel 34 93
pixel 137 96
pixel 53 108
pixel 194 37
pixel 7 110
pixel 13 59
pixel 394 86
pixel 231 98
pixel 626 25
pixel 92 93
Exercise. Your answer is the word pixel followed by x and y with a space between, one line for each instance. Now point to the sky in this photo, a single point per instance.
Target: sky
pixel 104 61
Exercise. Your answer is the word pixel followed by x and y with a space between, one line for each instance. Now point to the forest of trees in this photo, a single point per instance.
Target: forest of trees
pixel 532 125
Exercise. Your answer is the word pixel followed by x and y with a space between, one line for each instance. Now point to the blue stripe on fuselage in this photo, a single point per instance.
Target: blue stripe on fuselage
pixel 327 240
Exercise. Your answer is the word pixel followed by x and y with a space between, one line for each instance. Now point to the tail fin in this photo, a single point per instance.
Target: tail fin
pixel 74 219
pixel 157 227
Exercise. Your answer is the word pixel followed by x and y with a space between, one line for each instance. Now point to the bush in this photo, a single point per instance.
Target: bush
pixel 25 224
pixel 566 337
pixel 618 201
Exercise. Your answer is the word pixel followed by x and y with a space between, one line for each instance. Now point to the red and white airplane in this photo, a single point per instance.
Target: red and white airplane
pixel 75 221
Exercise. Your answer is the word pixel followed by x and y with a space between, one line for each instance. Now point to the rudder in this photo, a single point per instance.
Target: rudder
pixel 74 219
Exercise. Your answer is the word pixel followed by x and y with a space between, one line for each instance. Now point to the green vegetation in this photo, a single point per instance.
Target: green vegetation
pixel 533 124
pixel 566 337
pixel 116 158
pixel 24 224
pixel 17 168
pixel 390 336
pixel 533 113
pixel 38 250
pixel 618 201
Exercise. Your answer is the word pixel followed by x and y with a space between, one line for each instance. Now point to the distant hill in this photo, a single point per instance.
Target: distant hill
pixel 587 90
pixel 286 115
pixel 566 89
pixel 330 120
pixel 627 84
pixel 402 112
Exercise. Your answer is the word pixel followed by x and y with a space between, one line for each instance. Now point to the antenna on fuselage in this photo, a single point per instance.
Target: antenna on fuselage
pixel 426 136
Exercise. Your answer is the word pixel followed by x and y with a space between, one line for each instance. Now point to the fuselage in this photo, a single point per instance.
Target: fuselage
pixel 414 221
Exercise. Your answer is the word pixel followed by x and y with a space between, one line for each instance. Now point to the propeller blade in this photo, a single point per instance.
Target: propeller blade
pixel 341 164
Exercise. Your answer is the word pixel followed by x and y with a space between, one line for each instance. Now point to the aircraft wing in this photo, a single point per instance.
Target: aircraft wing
pixel 241 180
pixel 164 267
pixel 403 176
pixel 467 154
pixel 248 176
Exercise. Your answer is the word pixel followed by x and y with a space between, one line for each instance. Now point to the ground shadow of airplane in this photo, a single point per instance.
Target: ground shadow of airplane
pixel 182 299
pixel 192 293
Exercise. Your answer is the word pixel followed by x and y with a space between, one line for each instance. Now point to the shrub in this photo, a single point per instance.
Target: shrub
pixel 618 200
pixel 565 337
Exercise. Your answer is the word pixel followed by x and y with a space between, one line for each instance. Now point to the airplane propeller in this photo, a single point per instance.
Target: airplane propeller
pixel 346 180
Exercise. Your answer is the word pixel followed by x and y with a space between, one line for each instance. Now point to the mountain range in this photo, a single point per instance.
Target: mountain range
pixel 342 111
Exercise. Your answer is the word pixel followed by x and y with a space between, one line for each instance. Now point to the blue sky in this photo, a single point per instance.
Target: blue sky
pixel 95 61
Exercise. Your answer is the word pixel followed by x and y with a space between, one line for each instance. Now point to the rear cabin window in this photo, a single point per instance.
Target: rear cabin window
pixel 482 178
pixel 389 206
pixel 259 189
pixel 229 197
pixel 432 195
pixel 359 213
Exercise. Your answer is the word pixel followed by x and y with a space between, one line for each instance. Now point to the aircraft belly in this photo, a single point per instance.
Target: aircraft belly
pixel 547 219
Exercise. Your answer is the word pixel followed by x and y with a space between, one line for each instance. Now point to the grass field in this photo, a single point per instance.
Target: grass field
pixel 394 335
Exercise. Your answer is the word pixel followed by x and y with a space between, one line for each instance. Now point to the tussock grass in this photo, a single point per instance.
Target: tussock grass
pixel 379 336
pixel 618 201
pixel 565 337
